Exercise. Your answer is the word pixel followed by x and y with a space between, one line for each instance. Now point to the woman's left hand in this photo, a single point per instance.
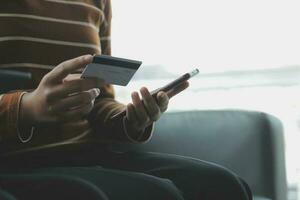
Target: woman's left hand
pixel 140 115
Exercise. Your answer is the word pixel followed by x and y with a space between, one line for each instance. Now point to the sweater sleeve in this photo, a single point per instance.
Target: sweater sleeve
pixel 9 114
pixel 114 130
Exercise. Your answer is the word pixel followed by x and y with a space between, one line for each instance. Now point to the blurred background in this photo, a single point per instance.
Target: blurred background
pixel 248 54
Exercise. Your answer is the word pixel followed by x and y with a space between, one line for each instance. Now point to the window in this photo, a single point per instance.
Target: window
pixel 247 53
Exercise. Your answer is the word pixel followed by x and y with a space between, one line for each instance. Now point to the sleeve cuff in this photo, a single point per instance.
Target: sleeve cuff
pixel 9 106
pixel 143 138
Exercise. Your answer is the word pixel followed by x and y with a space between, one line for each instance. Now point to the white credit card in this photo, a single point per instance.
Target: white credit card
pixel 113 70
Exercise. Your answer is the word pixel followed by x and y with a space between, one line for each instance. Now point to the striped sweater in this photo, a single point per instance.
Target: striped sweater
pixel 37 35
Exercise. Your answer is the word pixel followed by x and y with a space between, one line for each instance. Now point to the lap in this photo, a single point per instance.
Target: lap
pixel 125 173
pixel 194 177
pixel 116 184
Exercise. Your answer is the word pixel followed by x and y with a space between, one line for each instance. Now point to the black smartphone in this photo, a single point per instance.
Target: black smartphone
pixel 165 88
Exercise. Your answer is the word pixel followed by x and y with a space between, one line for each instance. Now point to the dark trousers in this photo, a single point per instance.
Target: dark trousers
pixel 6 196
pixel 118 176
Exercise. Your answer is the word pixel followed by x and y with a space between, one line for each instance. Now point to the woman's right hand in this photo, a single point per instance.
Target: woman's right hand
pixel 56 100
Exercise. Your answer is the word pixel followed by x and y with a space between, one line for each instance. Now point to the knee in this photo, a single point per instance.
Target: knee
pixel 226 184
pixel 204 179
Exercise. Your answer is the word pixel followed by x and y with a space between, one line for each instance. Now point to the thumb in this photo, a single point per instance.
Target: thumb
pixel 68 67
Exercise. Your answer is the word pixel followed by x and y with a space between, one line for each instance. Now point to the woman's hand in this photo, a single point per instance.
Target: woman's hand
pixel 140 115
pixel 56 100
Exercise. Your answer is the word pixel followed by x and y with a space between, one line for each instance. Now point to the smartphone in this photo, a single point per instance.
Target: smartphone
pixel 165 88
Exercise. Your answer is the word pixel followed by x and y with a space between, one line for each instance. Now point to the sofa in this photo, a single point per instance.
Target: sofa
pixel 249 143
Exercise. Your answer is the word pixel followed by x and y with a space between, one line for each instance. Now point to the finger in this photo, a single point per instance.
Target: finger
pixel 130 113
pixel 68 67
pixel 150 104
pixel 72 77
pixel 78 126
pixel 177 89
pixel 71 87
pixel 76 100
pixel 76 114
pixel 163 101
pixel 142 116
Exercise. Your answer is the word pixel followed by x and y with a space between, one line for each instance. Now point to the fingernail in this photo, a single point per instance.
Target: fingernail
pixel 161 95
pixel 98 91
pixel 87 57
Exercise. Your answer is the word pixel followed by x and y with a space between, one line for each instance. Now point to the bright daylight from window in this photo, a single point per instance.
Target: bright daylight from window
pixel 248 54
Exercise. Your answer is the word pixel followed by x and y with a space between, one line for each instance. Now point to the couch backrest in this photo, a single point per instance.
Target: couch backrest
pixel 249 143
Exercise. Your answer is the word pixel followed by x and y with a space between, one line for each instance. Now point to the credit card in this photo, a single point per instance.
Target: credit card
pixel 114 70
